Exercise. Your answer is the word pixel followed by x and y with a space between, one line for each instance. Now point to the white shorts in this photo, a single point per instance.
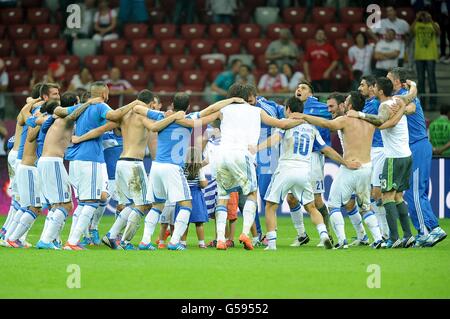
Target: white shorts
pixel 131 182
pixel 348 182
pixel 317 172
pixel 235 170
pixel 377 156
pixel 87 178
pixel 290 179
pixel 112 189
pixel 55 180
pixel 168 214
pixel 12 166
pixel 167 183
pixel 105 184
pixel 29 190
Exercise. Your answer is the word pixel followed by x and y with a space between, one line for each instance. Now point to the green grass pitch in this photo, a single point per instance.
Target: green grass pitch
pixel 304 272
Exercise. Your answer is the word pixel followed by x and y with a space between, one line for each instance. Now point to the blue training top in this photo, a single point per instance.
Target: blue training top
pixel 173 141
pixel 31 121
pixel 42 134
pixel 417 127
pixel 10 143
pixel 113 147
pixel 371 107
pixel 313 107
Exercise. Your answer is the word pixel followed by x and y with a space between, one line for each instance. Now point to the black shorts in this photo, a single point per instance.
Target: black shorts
pixel 396 174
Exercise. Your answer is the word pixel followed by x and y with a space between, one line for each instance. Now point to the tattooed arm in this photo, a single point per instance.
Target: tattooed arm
pixel 384 113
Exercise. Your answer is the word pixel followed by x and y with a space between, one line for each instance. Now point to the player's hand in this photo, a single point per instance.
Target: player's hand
pixel 296 116
pixel 352 164
pixel 410 83
pixel 180 115
pixel 353 113
pixel 437 151
pixel 76 139
pixel 168 113
pixel 253 149
pixel 238 100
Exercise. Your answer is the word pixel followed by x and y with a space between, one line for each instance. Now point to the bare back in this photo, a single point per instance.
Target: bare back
pixel 17 137
pixel 29 156
pixel 58 138
pixel 358 136
pixel 135 136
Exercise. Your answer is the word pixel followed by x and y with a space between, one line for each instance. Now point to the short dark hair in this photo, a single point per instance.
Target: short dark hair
pixel 364 36
pixel 83 94
pixel 68 99
pixel 385 85
pixel 248 67
pixel 307 84
pixel 234 61
pixel 146 96
pixel 400 74
pixel 272 63
pixel 337 96
pixel 181 101
pixel 36 90
pixel 50 106
pixel 294 104
pixel 358 100
pixel 45 88
pixel 239 90
pixel 370 80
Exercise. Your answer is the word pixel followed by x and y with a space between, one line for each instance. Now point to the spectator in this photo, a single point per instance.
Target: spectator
pixel 387 52
pixel 184 7
pixel 4 80
pixel 426 54
pixel 87 10
pixel 222 11
pixel 3 138
pixel 133 11
pixel 400 26
pixel 273 81
pixel 283 50
pixel 117 85
pixel 360 54
pixel 105 23
pixel 225 79
pixel 442 14
pixel 158 105
pixel 82 80
pixel 245 75
pixel 294 78
pixel 440 133
pixel 55 74
pixel 320 60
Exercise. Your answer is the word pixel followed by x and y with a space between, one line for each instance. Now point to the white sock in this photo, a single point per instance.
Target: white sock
pixel 181 224
pixel 13 224
pixel 249 215
pixel 151 220
pixel 221 222
pixel 183 242
pixel 356 219
pixel 23 239
pixel 380 213
pixel 322 230
pixel 201 242
pixel 12 211
pixel 132 224
pixel 75 216
pixel 24 224
pixel 297 220
pixel 55 225
pixel 272 239
pixel 98 215
pixel 337 221
pixel 371 221
pixel 47 222
pixel 120 222
pixel 83 222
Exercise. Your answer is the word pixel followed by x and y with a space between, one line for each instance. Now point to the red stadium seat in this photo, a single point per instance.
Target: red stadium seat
pixel 12 16
pixel 229 46
pixel 351 15
pixel 183 62
pixel 407 14
pixel 257 46
pixel 197 78
pixel 135 31
pixel 261 62
pixel 38 15
pixel 114 47
pixel 201 46
pixel 125 62
pixel 155 62
pixel 164 31
pixel 359 27
pixel 342 46
pixel 193 31
pixel 37 62
pixel 69 74
pixel 19 31
pixel 212 75
pixel 273 30
pixel 19 78
pixel 189 89
pixel 136 78
pixel 26 47
pixel 20 100
pixel 249 31
pixel 55 47
pixel 143 46
pixel 165 78
pixel 96 62
pixel 162 91
pixel 12 63
pixel 173 46
pixel 340 81
pixel 211 64
pixel 101 75
pixel 305 31
pixel 294 15
pixel 322 15
pixel 5 47
pixel 156 16
pixel 71 62
pixel 47 31
pixel 335 30
pixel 220 31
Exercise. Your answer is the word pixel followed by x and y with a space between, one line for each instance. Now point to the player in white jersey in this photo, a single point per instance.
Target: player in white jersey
pixel 293 173
pixel 398 163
